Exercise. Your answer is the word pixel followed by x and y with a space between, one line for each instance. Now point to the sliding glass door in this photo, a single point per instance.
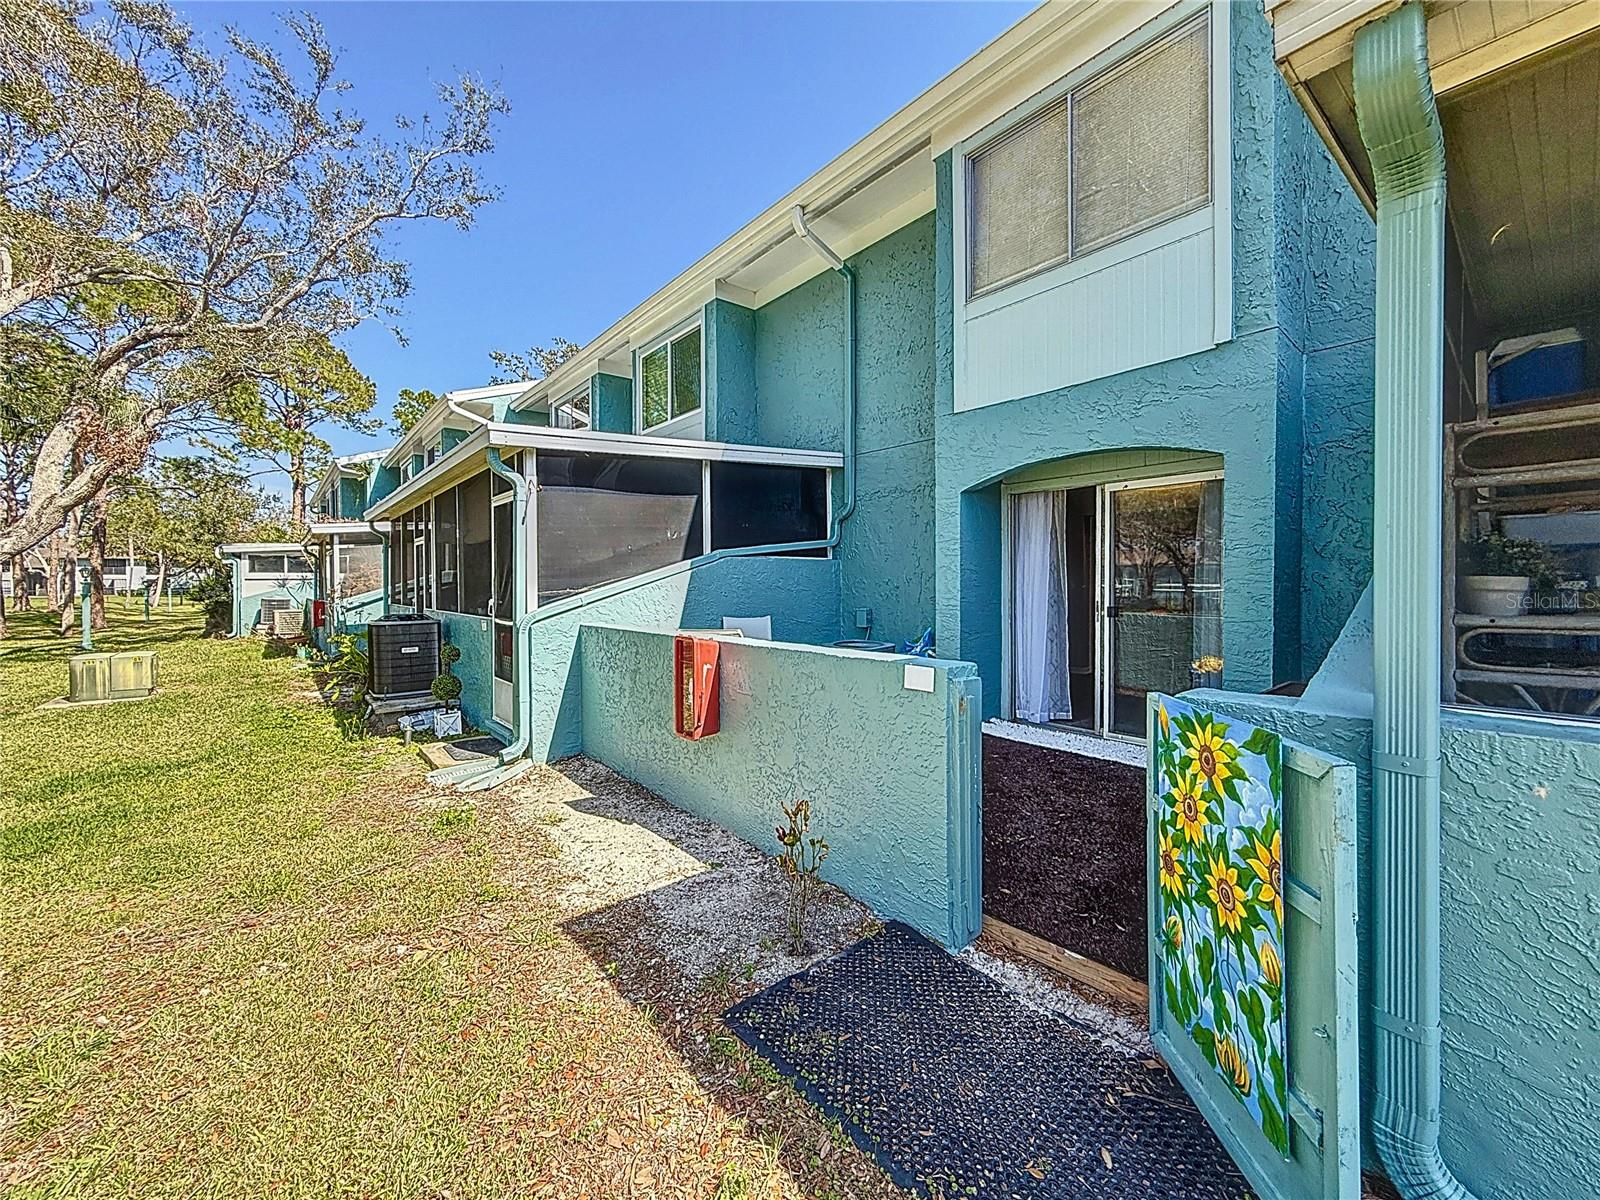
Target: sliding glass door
pixel 1162 594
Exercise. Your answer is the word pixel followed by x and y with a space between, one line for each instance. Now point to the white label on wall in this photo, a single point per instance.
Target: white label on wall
pixel 919 678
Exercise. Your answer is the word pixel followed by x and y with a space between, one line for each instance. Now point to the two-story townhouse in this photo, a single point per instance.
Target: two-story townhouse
pixel 1079 350
pixel 347 551
pixel 1028 370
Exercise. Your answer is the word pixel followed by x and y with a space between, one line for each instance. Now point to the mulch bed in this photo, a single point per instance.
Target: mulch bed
pixel 1064 850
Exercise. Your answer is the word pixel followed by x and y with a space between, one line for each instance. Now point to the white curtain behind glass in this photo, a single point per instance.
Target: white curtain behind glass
pixel 1039 662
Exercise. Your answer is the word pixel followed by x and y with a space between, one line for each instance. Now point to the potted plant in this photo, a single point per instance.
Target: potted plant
pixel 446 690
pixel 1501 572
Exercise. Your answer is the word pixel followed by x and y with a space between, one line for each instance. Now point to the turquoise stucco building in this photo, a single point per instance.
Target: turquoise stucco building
pixel 947 384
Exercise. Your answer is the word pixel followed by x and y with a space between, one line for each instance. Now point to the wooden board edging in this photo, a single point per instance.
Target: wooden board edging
pixel 1074 966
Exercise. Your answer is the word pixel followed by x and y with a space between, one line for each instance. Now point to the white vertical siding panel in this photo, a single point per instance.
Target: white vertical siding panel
pixel 1147 309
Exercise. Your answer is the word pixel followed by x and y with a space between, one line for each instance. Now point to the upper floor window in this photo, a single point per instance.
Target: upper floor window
pixel 573 412
pixel 669 379
pixel 1127 149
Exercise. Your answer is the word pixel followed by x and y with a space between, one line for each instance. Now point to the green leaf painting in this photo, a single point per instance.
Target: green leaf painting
pixel 1218 826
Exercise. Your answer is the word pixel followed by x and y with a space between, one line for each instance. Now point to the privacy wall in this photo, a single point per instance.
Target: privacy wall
pixel 801 595
pixel 892 773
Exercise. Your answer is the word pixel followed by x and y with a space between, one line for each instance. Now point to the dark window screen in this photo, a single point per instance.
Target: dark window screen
pixel 476 573
pixel 419 558
pixel 604 518
pixel 446 554
pixel 755 505
pixel 400 541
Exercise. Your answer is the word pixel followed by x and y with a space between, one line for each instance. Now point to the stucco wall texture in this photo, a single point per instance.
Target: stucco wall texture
pixel 1283 402
pixel 789 357
pixel 1521 956
pixel 891 773
pixel 801 595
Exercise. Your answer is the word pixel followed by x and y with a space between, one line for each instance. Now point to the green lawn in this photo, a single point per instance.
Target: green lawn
pixel 245 954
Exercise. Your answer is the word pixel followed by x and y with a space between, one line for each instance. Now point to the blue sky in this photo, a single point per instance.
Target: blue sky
pixel 641 135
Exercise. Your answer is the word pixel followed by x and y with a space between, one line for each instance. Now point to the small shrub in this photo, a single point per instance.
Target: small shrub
pixel 446 687
pixel 347 661
pixel 214 594
pixel 1497 554
pixel 801 858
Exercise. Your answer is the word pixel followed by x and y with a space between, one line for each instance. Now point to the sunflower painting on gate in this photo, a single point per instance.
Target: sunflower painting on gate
pixel 1218 828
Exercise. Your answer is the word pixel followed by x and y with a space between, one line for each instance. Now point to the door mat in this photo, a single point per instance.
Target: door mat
pixel 959 1089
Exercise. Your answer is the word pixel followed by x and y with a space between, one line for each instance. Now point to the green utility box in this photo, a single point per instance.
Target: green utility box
pixel 133 674
pixel 90 677
pixel 130 675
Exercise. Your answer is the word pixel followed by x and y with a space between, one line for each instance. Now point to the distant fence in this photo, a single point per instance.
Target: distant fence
pixel 892 771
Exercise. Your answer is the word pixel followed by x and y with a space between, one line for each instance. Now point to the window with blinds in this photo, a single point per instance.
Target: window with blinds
pixel 1019 200
pixel 1119 153
pixel 1141 141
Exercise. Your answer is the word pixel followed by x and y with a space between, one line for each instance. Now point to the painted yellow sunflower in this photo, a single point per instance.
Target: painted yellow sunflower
pixel 1191 808
pixel 1227 897
pixel 1210 754
pixel 1172 875
pixel 1231 1061
pixel 1164 720
pixel 1271 965
pixel 1174 929
pixel 1267 863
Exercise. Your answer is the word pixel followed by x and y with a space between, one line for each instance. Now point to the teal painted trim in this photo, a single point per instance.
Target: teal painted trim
pixel 611 403
pixel 522 700
pixel 419 463
pixel 1399 124
pixel 964 805
pixel 838 727
pixel 730 373
pixel 383 565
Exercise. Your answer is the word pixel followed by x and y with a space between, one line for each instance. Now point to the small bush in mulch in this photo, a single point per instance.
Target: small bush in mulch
pixel 1064 850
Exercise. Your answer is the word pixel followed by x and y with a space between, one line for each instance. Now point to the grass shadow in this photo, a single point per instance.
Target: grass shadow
pixel 682 974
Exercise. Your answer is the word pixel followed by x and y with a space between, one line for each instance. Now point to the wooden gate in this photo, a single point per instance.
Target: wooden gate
pixel 1253 968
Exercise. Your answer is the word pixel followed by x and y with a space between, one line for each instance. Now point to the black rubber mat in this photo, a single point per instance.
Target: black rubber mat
pixel 477 747
pixel 958 1088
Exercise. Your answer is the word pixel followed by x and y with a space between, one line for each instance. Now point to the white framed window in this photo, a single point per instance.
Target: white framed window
pixel 669 381
pixel 1106 193
pixel 572 412
pixel 1122 151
